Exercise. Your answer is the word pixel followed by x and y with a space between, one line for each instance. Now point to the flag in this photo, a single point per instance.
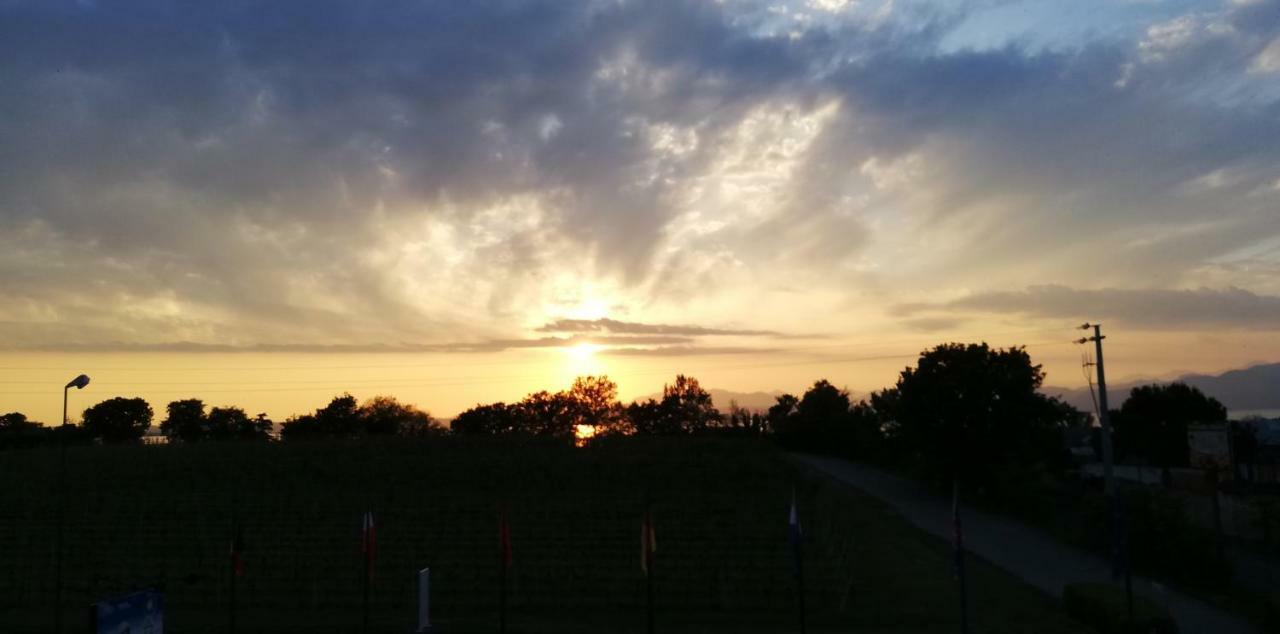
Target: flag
pixel 368 542
pixel 795 533
pixel 237 551
pixel 504 539
pixel 648 541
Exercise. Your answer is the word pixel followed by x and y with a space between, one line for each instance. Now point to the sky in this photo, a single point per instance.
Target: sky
pixel 265 204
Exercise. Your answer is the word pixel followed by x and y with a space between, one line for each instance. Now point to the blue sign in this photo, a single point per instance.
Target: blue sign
pixel 137 613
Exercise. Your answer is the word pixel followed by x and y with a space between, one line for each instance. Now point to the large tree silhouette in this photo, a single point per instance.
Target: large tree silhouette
pixel 118 420
pixel 1153 421
pixel 972 412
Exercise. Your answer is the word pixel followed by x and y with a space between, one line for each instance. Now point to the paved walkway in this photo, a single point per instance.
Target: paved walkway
pixel 1027 553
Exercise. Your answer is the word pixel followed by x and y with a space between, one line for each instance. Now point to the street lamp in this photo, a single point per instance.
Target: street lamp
pixel 78 383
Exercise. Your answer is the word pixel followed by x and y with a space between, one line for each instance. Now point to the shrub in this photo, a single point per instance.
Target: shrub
pixel 1103 607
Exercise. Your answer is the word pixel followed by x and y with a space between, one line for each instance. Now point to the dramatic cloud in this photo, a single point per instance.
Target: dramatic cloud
pixel 1143 309
pixel 625 327
pixel 405 175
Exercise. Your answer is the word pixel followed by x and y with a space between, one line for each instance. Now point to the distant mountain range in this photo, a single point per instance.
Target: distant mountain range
pixel 1248 389
pixel 1253 388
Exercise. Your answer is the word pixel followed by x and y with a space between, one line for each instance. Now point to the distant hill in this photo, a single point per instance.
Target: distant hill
pixel 1253 388
pixel 754 401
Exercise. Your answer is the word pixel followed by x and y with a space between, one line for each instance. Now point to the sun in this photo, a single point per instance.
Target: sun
pixel 583 352
pixel 581 359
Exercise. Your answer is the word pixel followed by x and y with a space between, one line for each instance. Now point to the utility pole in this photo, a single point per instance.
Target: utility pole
pixel 1104 413
pixel 1108 472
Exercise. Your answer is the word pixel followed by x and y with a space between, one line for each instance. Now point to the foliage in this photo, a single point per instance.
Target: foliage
pixel 18 432
pixel 118 420
pixel 1152 422
pixel 185 422
pixel 972 412
pixel 742 422
pixel 685 409
pixel 344 418
pixel 1105 608
pixel 1162 541
pixel 188 422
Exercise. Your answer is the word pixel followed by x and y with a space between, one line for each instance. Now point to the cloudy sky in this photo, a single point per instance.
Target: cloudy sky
pixel 264 203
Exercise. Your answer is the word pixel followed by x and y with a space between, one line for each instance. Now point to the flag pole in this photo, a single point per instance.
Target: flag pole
pixel 797 545
pixel 504 559
pixel 232 570
pixel 367 541
pixel 960 573
pixel 648 565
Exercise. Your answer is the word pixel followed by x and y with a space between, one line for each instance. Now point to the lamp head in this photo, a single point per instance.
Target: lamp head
pixel 79 382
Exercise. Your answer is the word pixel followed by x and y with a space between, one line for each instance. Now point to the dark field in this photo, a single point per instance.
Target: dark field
pixel 139 516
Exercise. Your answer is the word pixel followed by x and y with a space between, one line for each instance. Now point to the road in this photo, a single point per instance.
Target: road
pixel 1023 551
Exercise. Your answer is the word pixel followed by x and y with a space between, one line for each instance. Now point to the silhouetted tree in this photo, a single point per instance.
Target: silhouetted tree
pixel 745 422
pixel 385 416
pixel 685 408
pixel 687 403
pixel 823 420
pixel 1152 422
pixel 546 414
pixel 593 400
pixel 185 421
pixel 118 420
pixel 781 410
pixel 18 432
pixel 973 412
pixel 492 419
pixel 339 419
pixel 231 423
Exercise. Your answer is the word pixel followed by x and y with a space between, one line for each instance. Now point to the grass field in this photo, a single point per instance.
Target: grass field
pixel 139 516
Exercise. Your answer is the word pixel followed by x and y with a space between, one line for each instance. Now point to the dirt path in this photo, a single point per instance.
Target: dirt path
pixel 1028 553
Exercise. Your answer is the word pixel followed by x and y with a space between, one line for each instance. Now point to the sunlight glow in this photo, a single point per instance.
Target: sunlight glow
pixel 581 360
pixel 583 433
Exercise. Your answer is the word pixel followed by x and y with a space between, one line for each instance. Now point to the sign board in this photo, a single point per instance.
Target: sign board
pixel 1210 446
pixel 424 600
pixel 137 613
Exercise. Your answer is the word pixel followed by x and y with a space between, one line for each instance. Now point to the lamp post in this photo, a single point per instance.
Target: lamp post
pixel 79 382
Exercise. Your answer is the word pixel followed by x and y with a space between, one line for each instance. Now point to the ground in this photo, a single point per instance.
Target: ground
pixel 138 516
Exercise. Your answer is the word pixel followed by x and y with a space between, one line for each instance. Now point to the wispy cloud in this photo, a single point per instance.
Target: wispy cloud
pixel 628 327
pixel 1143 308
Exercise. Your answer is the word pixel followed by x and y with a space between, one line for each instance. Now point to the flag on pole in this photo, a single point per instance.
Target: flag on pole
pixel 237 551
pixel 648 541
pixel 795 533
pixel 369 542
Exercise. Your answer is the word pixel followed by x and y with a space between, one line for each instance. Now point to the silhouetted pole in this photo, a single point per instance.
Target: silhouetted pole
pixel 233 571
pixel 648 588
pixel 504 562
pixel 57 540
pixel 796 534
pixel 79 383
pixel 959 548
pixel 1108 472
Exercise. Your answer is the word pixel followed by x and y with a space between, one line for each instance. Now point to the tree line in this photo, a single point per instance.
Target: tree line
pixel 965 411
